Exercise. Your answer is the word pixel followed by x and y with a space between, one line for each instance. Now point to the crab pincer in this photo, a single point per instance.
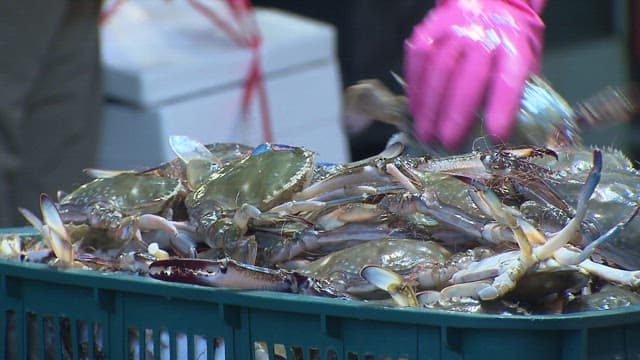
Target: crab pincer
pixel 220 273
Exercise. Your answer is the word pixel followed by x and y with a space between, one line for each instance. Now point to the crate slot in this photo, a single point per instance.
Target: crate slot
pixel 265 351
pixel 280 351
pixel 200 347
pixel 74 337
pixel 133 344
pixel 34 340
pixel 332 354
pixel 314 353
pixel 170 346
pixel 11 336
pixel 261 350
pixel 51 337
pixel 147 344
pixel 178 345
pixel 84 340
pixel 66 337
pixel 218 352
pixel 96 337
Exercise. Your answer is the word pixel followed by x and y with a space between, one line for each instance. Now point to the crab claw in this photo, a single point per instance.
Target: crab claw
pixel 31 218
pixel 53 231
pixel 59 244
pixel 220 273
pixel 197 158
pixel 392 283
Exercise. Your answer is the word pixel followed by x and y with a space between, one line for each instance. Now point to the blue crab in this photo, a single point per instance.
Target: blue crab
pixel 518 248
pixel 119 206
pixel 334 275
pixel 105 217
pixel 526 179
pixel 223 204
pixel 494 276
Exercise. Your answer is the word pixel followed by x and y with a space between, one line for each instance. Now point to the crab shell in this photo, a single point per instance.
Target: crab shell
pixel 266 178
pixel 130 193
pixel 341 269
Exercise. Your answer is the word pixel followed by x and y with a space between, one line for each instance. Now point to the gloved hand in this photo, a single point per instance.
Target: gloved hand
pixel 467 55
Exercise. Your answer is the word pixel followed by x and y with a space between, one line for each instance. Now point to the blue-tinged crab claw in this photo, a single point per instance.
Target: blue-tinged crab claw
pixel 220 273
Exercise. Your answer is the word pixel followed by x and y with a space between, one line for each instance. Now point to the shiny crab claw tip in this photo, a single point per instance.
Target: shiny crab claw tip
pixel 389 281
pixel 191 271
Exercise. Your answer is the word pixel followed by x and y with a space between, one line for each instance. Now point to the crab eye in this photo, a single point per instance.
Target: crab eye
pixel 223 269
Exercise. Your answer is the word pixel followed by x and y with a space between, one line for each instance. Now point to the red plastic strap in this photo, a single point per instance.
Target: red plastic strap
pixel 245 33
pixel 249 37
pixel 108 12
pixel 219 22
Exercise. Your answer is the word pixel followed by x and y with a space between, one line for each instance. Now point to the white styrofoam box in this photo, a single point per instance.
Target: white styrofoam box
pixel 137 138
pixel 154 50
pixel 194 88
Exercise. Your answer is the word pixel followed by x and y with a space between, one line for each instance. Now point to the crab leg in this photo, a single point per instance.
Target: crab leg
pixel 293 206
pixel 428 204
pixel 567 257
pixel 571 256
pixel 367 173
pixel 326 241
pixel 404 180
pixel 514 267
pixel 625 277
pixel 572 230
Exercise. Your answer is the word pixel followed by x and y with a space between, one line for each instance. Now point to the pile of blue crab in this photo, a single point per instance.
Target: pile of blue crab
pixel 509 230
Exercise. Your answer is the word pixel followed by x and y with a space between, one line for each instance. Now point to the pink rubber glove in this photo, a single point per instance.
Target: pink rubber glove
pixel 469 55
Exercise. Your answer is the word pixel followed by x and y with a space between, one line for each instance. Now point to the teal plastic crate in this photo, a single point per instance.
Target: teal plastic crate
pixel 44 311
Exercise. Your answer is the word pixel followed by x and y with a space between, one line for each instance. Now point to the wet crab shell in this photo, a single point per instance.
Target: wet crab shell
pixel 341 269
pixel 271 175
pixel 130 193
